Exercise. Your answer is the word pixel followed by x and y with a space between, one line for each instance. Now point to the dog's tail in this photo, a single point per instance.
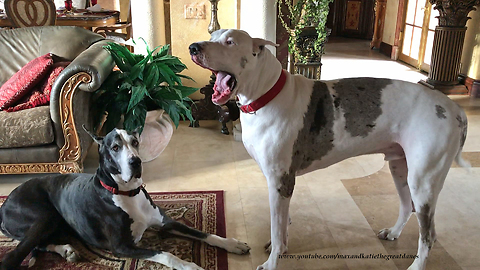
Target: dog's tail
pixel 463 136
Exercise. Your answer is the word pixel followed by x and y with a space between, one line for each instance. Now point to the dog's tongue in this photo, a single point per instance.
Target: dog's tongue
pixel 221 89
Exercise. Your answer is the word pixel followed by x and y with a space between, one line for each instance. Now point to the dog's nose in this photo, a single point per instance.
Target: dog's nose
pixel 135 161
pixel 194 48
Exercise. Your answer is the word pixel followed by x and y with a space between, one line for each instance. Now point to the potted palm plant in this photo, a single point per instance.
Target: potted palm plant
pixel 141 83
pixel 144 94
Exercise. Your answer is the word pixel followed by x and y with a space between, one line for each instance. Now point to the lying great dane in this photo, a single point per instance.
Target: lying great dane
pixel 292 125
pixel 108 210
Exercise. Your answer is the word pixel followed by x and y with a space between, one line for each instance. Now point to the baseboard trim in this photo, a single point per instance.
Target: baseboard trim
pixel 386 49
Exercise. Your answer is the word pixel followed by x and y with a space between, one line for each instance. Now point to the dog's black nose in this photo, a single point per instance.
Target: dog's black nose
pixel 135 161
pixel 194 48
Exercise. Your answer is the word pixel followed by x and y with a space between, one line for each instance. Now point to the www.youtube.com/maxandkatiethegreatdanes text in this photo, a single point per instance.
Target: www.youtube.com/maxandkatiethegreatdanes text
pixel 343 256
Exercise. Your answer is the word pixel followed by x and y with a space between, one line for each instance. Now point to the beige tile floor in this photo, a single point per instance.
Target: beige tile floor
pixel 335 210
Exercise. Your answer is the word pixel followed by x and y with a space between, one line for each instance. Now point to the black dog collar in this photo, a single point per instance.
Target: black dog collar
pixel 116 191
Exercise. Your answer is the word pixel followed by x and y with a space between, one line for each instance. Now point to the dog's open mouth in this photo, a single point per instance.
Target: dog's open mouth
pixel 224 85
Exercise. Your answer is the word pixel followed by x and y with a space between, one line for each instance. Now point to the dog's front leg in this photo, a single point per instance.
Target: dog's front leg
pixel 279 205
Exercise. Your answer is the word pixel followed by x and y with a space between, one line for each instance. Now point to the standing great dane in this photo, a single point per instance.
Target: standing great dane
pixel 109 210
pixel 292 125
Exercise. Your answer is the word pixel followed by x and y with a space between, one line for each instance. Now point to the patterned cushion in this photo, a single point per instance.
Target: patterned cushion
pixel 23 81
pixel 40 94
pixel 30 127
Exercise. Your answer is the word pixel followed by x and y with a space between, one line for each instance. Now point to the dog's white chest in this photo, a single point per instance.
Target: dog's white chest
pixel 140 210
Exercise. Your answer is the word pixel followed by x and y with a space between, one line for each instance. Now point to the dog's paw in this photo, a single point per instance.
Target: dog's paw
pixel 237 247
pixel 191 266
pixel 386 234
pixel 265 267
pixel 32 262
pixel 70 254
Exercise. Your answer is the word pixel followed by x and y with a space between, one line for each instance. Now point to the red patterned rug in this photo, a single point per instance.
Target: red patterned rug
pixel 202 210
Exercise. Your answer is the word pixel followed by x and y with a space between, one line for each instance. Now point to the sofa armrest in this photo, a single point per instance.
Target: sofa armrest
pixel 70 108
pixel 96 61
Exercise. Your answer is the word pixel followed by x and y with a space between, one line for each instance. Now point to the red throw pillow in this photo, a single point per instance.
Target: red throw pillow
pixel 23 81
pixel 40 95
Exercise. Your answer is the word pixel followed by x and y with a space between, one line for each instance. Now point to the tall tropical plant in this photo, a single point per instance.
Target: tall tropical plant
pixel 142 83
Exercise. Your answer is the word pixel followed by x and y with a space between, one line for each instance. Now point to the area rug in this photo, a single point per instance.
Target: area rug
pixel 203 210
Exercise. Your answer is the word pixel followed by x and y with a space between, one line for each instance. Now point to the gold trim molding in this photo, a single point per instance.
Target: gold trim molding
pixel 70 167
pixel 70 154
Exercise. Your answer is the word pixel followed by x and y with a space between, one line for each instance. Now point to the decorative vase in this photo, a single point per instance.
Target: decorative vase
pixel 156 135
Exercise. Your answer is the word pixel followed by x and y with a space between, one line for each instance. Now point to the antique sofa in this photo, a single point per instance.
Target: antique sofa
pixel 50 138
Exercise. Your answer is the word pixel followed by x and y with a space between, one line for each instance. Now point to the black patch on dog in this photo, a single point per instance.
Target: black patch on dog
pixel 426 225
pixel 315 139
pixel 361 101
pixel 440 112
pixel 463 124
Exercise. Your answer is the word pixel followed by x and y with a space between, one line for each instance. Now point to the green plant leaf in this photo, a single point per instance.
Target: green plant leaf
pixel 186 77
pixel 137 70
pixel 186 109
pixel 122 52
pixel 164 93
pixel 153 76
pixel 166 73
pixel 162 52
pixel 172 111
pixel 139 91
pixel 135 118
pixel 185 90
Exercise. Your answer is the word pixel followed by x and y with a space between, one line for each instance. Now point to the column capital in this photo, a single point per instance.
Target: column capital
pixel 454 13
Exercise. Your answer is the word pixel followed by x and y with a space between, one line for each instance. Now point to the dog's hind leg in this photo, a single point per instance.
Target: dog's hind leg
pixel 229 244
pixel 39 231
pixel 399 171
pixel 426 174
pixel 162 257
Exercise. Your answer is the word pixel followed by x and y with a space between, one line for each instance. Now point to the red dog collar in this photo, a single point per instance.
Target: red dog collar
pixel 267 97
pixel 115 191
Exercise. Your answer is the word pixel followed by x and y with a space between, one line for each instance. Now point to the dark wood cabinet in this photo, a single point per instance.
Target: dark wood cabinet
pixel 352 18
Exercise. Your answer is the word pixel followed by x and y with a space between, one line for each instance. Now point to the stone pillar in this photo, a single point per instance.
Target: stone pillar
pixel 448 45
pixel 148 21
pixel 446 55
pixel 259 19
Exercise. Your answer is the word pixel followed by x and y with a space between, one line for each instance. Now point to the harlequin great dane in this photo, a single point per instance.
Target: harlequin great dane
pixel 292 125
pixel 109 210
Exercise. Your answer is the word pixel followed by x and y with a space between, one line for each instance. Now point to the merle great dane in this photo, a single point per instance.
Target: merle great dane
pixel 109 210
pixel 292 125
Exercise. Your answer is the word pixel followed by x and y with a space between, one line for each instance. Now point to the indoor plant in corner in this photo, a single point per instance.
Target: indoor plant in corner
pixel 306 27
pixel 144 83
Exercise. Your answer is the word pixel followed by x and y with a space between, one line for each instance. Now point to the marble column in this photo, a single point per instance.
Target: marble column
pixel 259 19
pixel 448 44
pixel 149 23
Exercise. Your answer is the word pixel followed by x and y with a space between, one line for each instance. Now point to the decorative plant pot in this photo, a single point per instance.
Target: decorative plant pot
pixel 156 135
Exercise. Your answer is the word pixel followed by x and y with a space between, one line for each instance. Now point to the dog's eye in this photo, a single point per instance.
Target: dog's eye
pixel 135 143
pixel 115 148
pixel 229 42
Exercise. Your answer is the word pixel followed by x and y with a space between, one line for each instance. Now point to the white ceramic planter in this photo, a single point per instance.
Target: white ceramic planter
pixel 156 135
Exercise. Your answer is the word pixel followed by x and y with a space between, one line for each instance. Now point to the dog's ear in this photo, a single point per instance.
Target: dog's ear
pixel 259 45
pixel 96 138
pixel 136 133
